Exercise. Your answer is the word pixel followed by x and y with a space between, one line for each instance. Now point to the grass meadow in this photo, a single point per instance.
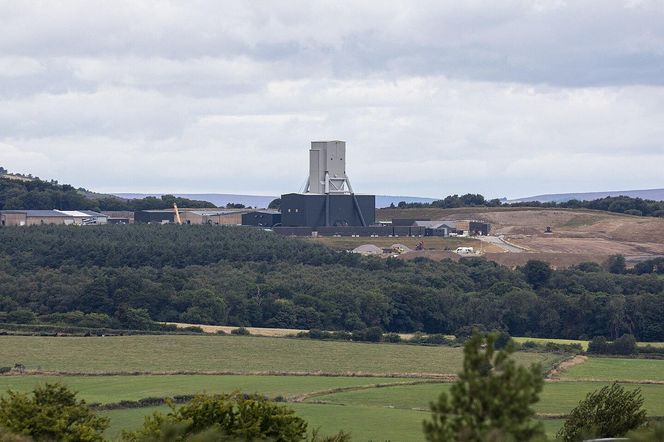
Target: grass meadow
pixel 111 389
pixel 366 407
pixel 617 369
pixel 236 354
pixel 557 397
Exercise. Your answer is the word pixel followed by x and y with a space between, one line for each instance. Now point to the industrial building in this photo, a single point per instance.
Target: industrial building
pixel 52 217
pixel 227 217
pixel 328 200
pixel 262 218
pixel 479 228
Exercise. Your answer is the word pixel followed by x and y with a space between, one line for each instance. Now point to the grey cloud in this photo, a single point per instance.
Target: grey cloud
pixel 574 44
pixel 433 97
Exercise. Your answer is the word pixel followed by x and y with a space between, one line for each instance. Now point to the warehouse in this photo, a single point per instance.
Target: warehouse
pixel 479 228
pixel 34 218
pixel 262 218
pixel 86 217
pixel 227 217
pixel 154 217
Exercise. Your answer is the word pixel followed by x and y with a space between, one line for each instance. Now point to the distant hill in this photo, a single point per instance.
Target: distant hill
pixel 649 194
pixel 262 201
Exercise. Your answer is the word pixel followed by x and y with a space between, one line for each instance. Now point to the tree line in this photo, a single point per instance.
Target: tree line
pixel 37 194
pixel 615 204
pixel 247 277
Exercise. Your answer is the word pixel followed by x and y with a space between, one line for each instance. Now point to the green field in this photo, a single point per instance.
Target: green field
pixel 237 354
pixel 618 369
pixel 365 423
pixel 369 412
pixel 584 344
pixel 556 398
pixel 521 340
pixel 110 389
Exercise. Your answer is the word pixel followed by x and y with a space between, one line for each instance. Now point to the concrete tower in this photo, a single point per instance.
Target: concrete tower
pixel 327 168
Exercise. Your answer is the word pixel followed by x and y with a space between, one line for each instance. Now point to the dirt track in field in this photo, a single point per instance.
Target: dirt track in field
pixel 556 371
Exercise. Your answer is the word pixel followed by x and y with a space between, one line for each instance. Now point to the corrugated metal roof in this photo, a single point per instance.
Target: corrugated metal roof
pixel 40 213
pixel 435 224
pixel 216 213
pixel 74 213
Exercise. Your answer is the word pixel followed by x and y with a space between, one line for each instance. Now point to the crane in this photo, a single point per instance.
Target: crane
pixel 178 220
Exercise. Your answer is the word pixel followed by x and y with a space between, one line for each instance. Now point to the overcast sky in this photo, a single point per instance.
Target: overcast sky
pixel 504 98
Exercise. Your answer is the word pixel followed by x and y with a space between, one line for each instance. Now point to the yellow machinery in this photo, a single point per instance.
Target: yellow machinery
pixel 178 220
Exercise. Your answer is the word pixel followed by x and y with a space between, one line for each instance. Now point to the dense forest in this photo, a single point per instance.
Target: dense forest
pixel 38 194
pixel 616 204
pixel 244 276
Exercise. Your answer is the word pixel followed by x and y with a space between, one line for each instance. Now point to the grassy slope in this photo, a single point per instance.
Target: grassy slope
pixel 230 353
pixel 609 369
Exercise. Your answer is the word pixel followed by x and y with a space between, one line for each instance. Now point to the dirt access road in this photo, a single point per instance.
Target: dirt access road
pixel 578 235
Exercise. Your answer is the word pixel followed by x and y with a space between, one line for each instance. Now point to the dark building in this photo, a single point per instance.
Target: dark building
pixel 261 218
pixel 319 210
pixel 370 231
pixel 154 217
pixel 479 228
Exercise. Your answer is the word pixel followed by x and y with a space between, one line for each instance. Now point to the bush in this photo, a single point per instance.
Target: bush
pixel 240 331
pixel 192 329
pixel 616 264
pixel 609 412
pixel 51 412
pixel 21 316
pixel 235 416
pixel 4 370
pixel 635 212
pixel 371 334
pixel 392 337
pixel 624 345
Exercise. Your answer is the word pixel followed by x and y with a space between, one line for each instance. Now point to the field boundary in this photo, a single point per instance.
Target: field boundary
pixel 440 377
pixel 304 396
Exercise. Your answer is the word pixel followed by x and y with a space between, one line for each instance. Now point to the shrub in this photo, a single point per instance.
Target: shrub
pixel 4 370
pixel 240 331
pixel 616 264
pixel 608 412
pixel 21 316
pixel 392 337
pixel 231 416
pixel 51 412
pixel 624 345
pixel 192 329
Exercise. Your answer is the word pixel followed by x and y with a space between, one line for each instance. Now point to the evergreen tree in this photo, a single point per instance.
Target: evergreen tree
pixel 491 401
